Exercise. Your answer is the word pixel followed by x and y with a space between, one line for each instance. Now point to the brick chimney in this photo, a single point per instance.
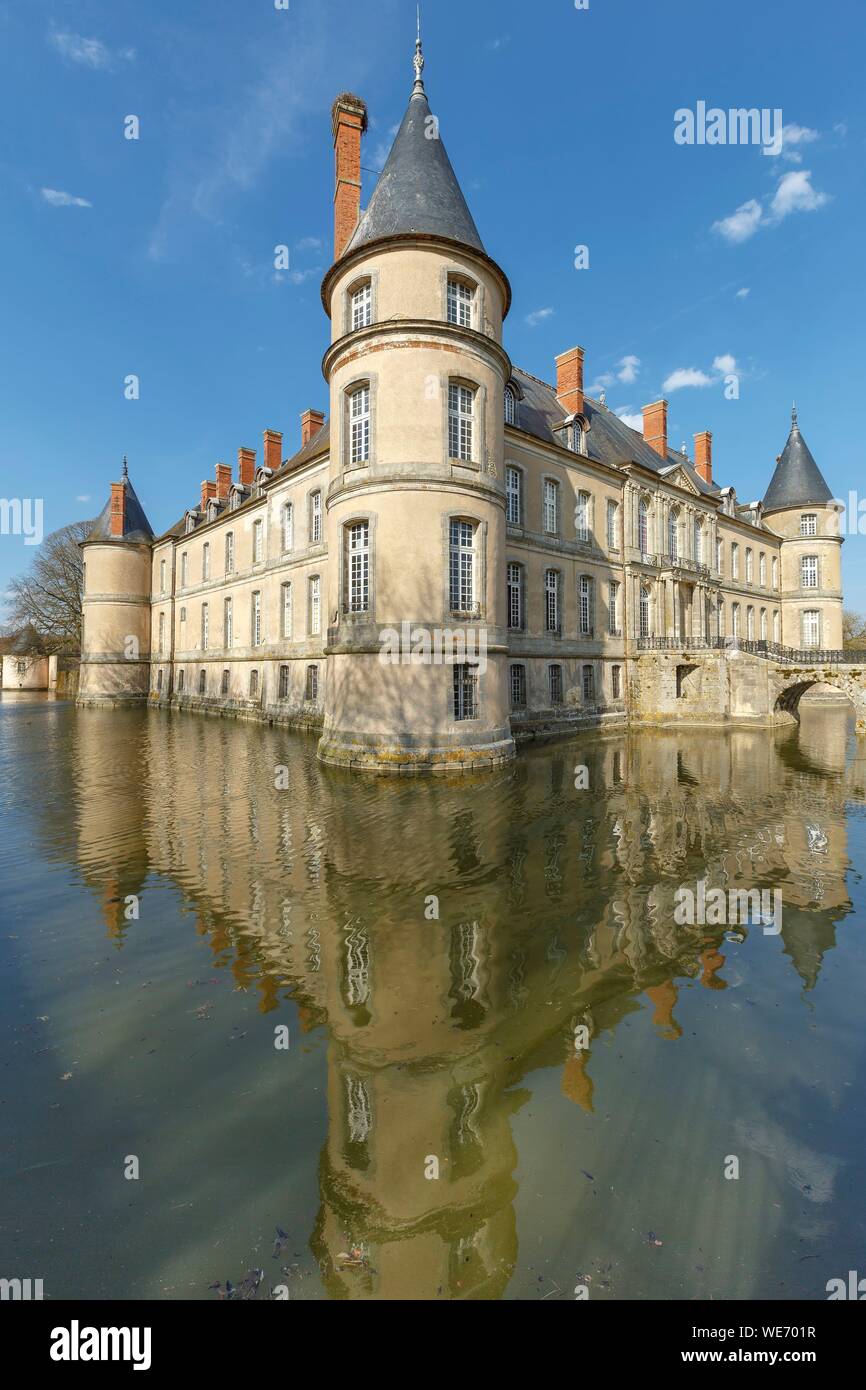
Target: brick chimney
pixel 273 450
pixel 208 490
pixel 569 380
pixel 655 427
pixel 118 508
pixel 349 121
pixel 311 422
pixel 704 455
pixel 246 467
pixel 223 481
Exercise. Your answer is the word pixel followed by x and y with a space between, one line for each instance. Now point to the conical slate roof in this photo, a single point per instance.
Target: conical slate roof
pixel 417 189
pixel 797 481
pixel 27 642
pixel 136 526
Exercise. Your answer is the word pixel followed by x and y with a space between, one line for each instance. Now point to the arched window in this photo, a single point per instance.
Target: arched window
pixel 581 516
pixel 286 609
pixel 361 305
pixel 721 613
pixel 224 683
pixel 288 527
pixel 205 627
pixel 513 496
pixel 643 526
pixel 776 632
pixel 202 682
pixel 515 595
pixel 256 620
pixel 461 422
pixel 315 521
pixel 461 297
pixel 554 681
pixel 461 566
pixel 314 606
pixel 359 425
pixel 550 507
pixel 735 620
pixel 750 567
pixel 228 626
pixel 518 687
pixel 699 540
pixel 230 552
pixel 750 623
pixel 551 601
pixel 674 535
pixel 357 567
pixel 205 560
pixel 644 614
pixel 589 683
pixel 762 570
pixel 180 681
pixel 162 632
pixel 254 684
pixel 510 406
pixel 586 605
pixel 763 624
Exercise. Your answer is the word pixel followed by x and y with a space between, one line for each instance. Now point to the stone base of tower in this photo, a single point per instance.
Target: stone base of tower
pixel 104 684
pixel 346 750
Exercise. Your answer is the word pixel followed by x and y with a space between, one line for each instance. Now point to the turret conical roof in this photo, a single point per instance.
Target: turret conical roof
pixel 136 526
pixel 797 481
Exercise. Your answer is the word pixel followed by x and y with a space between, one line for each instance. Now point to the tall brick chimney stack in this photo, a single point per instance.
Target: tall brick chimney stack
pixel 208 490
pixel 223 481
pixel 273 450
pixel 569 380
pixel 311 422
pixel 246 467
pixel 349 121
pixel 655 427
pixel 704 455
pixel 118 508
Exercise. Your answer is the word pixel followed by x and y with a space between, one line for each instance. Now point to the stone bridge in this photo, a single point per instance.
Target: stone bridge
pixel 707 679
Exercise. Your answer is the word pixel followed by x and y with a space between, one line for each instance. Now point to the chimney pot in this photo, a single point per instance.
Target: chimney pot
pixel 655 427
pixel 272 453
pixel 569 380
pixel 704 455
pixel 223 481
pixel 349 121
pixel 311 422
pixel 118 509
pixel 208 490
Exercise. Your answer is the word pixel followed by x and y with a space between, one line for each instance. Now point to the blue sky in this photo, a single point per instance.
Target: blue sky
pixel 155 256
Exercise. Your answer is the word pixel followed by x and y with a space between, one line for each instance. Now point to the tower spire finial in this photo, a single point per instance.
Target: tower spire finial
pixel 794 416
pixel 418 60
pixel 125 469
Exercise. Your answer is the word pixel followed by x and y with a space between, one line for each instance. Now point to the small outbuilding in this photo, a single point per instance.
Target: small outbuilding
pixel 26 664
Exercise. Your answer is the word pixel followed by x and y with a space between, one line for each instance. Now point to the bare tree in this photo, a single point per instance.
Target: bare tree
pixel 49 595
pixel 853 631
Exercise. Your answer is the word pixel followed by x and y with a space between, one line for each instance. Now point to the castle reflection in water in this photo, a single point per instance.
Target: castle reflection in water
pixel 555 910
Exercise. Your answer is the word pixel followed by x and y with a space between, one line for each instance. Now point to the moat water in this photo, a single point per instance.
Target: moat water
pixel 180 897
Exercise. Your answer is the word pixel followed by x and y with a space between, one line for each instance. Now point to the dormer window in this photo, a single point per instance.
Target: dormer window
pixel 190 523
pixel 510 406
pixel 361 306
pixel 461 297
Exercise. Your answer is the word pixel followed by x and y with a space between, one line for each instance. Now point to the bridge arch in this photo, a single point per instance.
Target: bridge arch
pixel 790 689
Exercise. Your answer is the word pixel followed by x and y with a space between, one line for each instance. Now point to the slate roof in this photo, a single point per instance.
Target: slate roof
pixel 136 526
pixel 28 642
pixel 797 481
pixel 417 190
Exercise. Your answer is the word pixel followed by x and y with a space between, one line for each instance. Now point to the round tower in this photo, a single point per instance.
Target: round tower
pixel 800 507
pixel 116 621
pixel 416 503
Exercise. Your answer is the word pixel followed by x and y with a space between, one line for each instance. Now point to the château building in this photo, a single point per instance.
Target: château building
pixel 546 564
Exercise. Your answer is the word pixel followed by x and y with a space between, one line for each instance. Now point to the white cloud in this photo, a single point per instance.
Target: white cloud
pixel 796 194
pixel 741 294
pixel 601 383
pixel 85 497
pixel 308 243
pixel 90 53
pixel 686 376
pixel 726 363
pixel 58 199
pixel 499 42
pixel 628 369
pixel 538 316
pixel 793 135
pixel 634 422
pixel 742 224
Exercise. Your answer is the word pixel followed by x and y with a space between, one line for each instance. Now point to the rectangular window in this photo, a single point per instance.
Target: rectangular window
pixel 461 412
pixel 256 622
pixel 518 687
pixel 224 683
pixel 288 526
pixel 159 680
pixel 184 570
pixel 811 628
pixel 358 567
pixel 611 526
pixel 515 596
pixel 462 567
pixel 228 623
pixel 312 686
pixel 720 557
pixel 359 425
pixel 315 607
pixel 809 572
pixel 762 570
pixel 180 681
pixel 616 681
pixel 465 692
pixel 205 627
pixel 205 561
pixel 254 684
pixel 162 632
pixel 513 508
pixel 588 683
pixel 613 608
pixel 735 560
pixel 286 610
pixel 284 683
pixel 735 620
pixel 258 542
pixel 550 507
pixel 554 677
pixel 775 572
pixel 750 568
pixel 162 576
pixel 581 516
pixel 315 518
pixel 230 552
pixel 362 306
pixel 585 594
pixel 551 601
pixel 460 297
pixel 809 524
